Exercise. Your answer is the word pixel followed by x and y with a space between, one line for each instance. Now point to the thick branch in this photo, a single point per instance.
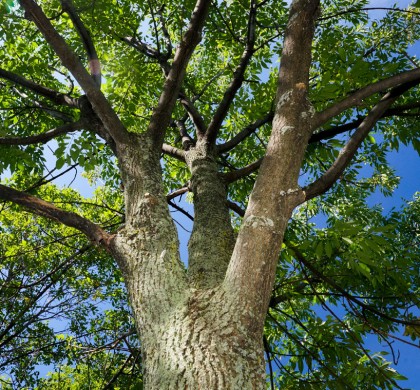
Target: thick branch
pixel 94 64
pixel 173 152
pixel 357 97
pixel 162 113
pixel 326 181
pixel 56 97
pixel 247 131
pixel 236 83
pixel 45 209
pixel 252 268
pixel 44 137
pixel 71 61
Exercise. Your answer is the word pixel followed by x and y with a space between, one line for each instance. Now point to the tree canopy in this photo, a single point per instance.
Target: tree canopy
pixel 75 75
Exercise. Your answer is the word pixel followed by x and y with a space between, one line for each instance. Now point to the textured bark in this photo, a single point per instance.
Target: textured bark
pixel 203 345
pixel 191 338
pixel 202 329
pixel 212 239
pixel 252 268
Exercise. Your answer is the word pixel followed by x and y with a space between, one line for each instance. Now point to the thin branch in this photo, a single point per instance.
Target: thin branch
pixel 247 131
pixel 56 97
pixel 176 193
pixel 71 61
pixel 181 210
pixel 368 9
pixel 238 78
pixel 162 113
pixel 326 181
pixel 333 131
pixel 186 139
pixel 94 64
pixel 334 285
pixel 270 367
pixel 232 176
pixel 46 209
pixel 358 96
pixel 236 208
pixel 44 137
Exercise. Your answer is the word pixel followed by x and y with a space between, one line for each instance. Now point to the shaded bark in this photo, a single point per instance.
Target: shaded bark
pixel 212 239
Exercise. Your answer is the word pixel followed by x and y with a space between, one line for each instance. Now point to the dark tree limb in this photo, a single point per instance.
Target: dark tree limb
pixel 238 78
pixel 186 139
pixel 162 113
pixel 176 193
pixel 232 176
pixel 44 137
pixel 56 97
pixel 236 208
pixel 246 132
pixel 358 96
pixel 194 115
pixel 333 131
pixel 326 181
pixel 71 61
pixel 45 209
pixel 94 64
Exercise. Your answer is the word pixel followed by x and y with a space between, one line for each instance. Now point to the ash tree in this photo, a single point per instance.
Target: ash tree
pixel 275 121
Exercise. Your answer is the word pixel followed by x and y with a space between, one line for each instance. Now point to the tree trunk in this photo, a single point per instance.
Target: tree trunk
pixel 202 328
pixel 202 345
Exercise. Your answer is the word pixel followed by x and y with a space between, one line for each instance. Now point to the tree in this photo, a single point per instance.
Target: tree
pixel 176 97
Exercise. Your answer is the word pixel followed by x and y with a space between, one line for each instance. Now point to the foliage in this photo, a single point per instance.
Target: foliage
pixel 347 272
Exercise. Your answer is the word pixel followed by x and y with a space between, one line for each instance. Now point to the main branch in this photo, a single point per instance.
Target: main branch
pixel 44 137
pixel 47 210
pixel 54 96
pixel 94 64
pixel 357 97
pixel 326 181
pixel 162 113
pixel 71 61
pixel 252 267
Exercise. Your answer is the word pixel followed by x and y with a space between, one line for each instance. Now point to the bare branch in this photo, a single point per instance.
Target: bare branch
pixel 94 64
pixel 176 193
pixel 236 208
pixel 247 131
pixel 326 181
pixel 333 131
pixel 46 209
pixel 44 137
pixel 162 113
pixel 56 97
pixel 194 115
pixel 173 152
pixel 71 61
pixel 240 173
pixel 181 210
pixel 352 10
pixel 238 78
pixel 186 139
pixel 358 96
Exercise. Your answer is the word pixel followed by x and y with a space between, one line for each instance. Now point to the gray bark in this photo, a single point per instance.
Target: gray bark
pixel 202 328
